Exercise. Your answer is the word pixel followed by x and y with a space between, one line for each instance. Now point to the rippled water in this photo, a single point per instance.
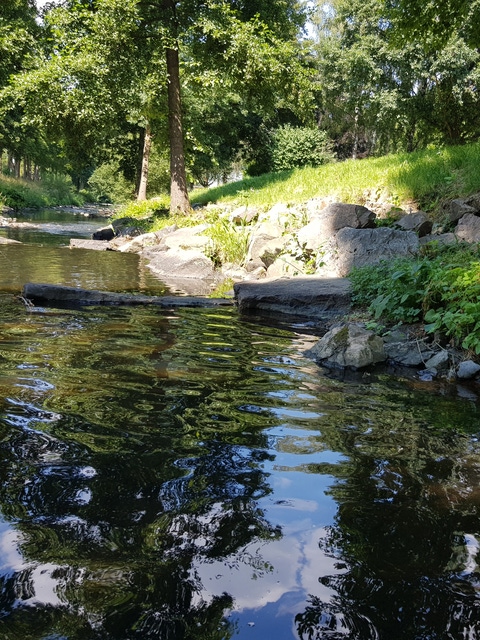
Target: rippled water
pixel 191 475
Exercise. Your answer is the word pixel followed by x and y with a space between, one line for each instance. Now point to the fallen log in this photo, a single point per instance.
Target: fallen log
pixel 62 296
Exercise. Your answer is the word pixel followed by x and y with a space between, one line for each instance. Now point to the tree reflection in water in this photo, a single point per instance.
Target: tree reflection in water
pixel 170 476
pixel 405 538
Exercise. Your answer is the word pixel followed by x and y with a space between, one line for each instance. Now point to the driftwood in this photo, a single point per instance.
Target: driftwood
pixel 61 296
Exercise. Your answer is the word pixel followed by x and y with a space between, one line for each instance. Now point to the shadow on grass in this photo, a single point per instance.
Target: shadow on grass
pixel 241 189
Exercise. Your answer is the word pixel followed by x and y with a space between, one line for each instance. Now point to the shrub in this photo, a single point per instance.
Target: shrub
pixel 441 288
pixel 108 184
pixel 294 147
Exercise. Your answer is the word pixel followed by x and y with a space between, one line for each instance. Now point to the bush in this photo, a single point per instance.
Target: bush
pixel 441 288
pixel 108 184
pixel 294 147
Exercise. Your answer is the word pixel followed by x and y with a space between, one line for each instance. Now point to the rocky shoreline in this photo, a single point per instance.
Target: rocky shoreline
pixel 297 265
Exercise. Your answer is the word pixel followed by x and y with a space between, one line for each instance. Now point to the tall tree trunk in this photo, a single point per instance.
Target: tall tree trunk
pixel 179 201
pixel 147 145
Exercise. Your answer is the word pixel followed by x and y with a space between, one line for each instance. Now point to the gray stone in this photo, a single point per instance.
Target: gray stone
pixel 409 353
pixel 417 222
pixel 361 247
pixel 456 209
pixel 349 345
pixel 127 227
pixel 440 361
pixel 468 228
pixel 179 263
pixel 334 217
pixel 474 201
pixel 467 370
pixel 312 297
pixel 243 215
pixel 443 239
pixel 93 245
pixel 187 238
pixel 285 265
pixel 262 234
pixel 58 295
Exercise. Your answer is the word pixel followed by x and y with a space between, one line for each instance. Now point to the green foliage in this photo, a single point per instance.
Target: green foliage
pixel 229 242
pixel 424 176
pixel 294 147
pixel 145 209
pixel 441 288
pixel 108 184
pixel 52 190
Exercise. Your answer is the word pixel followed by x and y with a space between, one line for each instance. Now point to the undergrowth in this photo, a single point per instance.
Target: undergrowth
pixel 48 192
pixel 440 288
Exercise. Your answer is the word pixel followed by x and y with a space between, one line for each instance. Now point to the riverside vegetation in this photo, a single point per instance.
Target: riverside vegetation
pixel 440 288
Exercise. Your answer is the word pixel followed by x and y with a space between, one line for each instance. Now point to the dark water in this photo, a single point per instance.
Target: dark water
pixel 191 475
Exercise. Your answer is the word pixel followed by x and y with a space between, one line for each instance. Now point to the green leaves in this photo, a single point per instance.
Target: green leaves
pixel 443 290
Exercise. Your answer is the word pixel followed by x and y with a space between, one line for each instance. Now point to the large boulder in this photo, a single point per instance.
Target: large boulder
pixel 261 239
pixel 349 346
pixel 331 219
pixel 179 263
pixel 317 298
pixel 187 238
pixel 361 247
pixel 468 228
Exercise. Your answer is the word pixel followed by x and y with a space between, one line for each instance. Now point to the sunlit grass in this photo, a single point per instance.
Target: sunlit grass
pixel 424 177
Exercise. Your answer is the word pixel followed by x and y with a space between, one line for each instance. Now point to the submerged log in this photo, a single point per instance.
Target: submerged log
pixel 62 296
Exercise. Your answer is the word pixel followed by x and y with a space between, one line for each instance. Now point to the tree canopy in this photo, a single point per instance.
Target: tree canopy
pixel 204 86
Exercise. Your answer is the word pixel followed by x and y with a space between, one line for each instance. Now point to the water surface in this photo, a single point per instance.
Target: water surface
pixel 191 475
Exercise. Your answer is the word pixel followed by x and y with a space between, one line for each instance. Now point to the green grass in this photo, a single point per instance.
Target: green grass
pixel 424 178
pixel 50 191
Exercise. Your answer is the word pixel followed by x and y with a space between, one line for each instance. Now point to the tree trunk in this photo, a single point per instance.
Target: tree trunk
pixel 147 145
pixel 179 201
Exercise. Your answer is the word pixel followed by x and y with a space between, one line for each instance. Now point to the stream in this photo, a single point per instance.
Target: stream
pixel 190 475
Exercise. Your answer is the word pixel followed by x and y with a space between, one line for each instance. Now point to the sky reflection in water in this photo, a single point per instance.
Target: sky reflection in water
pixel 192 475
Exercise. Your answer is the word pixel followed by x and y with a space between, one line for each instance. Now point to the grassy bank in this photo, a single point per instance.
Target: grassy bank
pixel 424 177
pixel 48 192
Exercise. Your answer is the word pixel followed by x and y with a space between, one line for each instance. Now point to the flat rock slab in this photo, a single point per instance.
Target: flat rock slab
pixel 60 296
pixel 95 245
pixel 312 297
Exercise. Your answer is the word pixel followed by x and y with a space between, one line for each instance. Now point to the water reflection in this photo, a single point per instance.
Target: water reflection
pixel 191 475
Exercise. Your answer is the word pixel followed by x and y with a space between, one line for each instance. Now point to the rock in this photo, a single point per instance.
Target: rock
pixel 467 370
pixel 58 295
pixel 312 297
pixel 361 247
pixel 408 353
pixel 334 217
pixel 440 361
pixel 243 215
pixel 105 233
pixel 473 201
pixel 280 215
pixel 261 236
pixel 179 263
pixel 349 345
pixel 468 228
pixel 443 239
pixel 187 238
pixel 270 251
pixel 138 244
pixel 127 227
pixel 456 209
pixel 95 245
pixel 8 241
pixel 285 266
pixel 417 222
